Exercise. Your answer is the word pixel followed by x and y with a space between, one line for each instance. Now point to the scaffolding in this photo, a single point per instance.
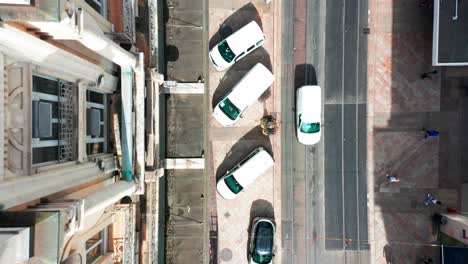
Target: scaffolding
pixel 65 121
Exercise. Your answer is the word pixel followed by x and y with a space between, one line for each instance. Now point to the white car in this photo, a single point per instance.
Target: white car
pixel 244 94
pixel 308 114
pixel 244 173
pixel 236 46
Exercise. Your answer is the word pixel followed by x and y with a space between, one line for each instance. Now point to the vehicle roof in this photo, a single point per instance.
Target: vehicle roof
pixel 264 234
pixel 245 37
pixel 254 167
pixel 311 97
pixel 251 86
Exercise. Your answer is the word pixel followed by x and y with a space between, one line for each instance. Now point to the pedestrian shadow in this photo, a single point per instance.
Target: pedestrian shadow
pixel 388 254
pixel 304 74
pixel 235 73
pixel 165 12
pixel 236 21
pixel 249 142
pixel 260 208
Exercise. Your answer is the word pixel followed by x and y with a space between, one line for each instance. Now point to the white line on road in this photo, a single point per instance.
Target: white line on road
pixel 342 125
pixel 357 135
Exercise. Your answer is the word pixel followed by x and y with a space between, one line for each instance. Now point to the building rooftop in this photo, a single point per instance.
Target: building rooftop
pixel 450 38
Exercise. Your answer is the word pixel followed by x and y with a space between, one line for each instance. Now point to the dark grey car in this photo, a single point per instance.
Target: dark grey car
pixel 262 240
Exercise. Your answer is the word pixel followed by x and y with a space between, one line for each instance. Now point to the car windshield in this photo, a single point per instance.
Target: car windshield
pixel 229 109
pixel 310 128
pixel 226 51
pixel 232 184
pixel 263 243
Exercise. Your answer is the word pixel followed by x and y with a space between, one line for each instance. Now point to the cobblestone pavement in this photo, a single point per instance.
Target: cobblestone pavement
pixel 400 104
pixel 229 145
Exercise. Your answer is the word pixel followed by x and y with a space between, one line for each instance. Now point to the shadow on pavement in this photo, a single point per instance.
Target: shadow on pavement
pixel 172 53
pixel 304 74
pixel 235 73
pixel 388 254
pixel 165 11
pixel 236 21
pixel 259 208
pixel 241 149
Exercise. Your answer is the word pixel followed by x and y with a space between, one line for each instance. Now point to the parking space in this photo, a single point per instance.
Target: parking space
pixel 184 214
pixel 228 145
pixel 184 125
pixel 184 39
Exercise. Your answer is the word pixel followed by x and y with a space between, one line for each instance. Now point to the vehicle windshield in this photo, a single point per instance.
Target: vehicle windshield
pixel 257 258
pixel 262 259
pixel 229 109
pixel 310 128
pixel 226 51
pixel 263 243
pixel 232 184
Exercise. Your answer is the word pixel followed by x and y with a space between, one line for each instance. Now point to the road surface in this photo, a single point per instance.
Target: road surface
pixel 324 186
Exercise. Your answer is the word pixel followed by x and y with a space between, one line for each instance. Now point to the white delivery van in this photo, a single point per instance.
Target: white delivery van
pixel 236 46
pixel 244 94
pixel 244 173
pixel 308 114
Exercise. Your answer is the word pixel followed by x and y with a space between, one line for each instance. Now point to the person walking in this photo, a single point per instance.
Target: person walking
pixel 430 133
pixel 431 200
pixel 428 75
pixel 392 178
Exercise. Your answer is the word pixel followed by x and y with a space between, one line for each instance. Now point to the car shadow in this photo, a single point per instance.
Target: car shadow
pixel 259 208
pixel 235 73
pixel 236 21
pixel 243 147
pixel 304 74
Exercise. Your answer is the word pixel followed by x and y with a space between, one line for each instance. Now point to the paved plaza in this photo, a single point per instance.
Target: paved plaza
pixel 400 104
pixel 229 145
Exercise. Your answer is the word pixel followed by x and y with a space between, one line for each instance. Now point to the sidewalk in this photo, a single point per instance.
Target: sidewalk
pixel 229 145
pixel 400 104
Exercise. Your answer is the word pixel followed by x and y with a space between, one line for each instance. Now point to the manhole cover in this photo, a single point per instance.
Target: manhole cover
pixel 226 254
pixel 227 214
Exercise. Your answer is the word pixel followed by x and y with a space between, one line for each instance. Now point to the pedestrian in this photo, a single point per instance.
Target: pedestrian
pixel 431 200
pixel 392 178
pixel 430 133
pixel 428 75
pixel 428 200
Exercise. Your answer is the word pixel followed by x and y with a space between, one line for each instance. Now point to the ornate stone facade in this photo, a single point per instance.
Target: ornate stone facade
pixel 18 98
pixel 125 247
pixel 129 19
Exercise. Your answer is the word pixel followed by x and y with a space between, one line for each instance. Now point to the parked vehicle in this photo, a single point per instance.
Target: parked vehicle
pixel 244 173
pixel 308 114
pixel 244 94
pixel 236 46
pixel 262 241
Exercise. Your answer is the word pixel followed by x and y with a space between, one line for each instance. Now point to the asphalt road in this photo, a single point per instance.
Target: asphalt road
pixel 324 186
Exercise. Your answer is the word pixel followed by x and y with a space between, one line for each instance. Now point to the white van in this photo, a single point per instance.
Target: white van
pixel 244 173
pixel 244 94
pixel 236 46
